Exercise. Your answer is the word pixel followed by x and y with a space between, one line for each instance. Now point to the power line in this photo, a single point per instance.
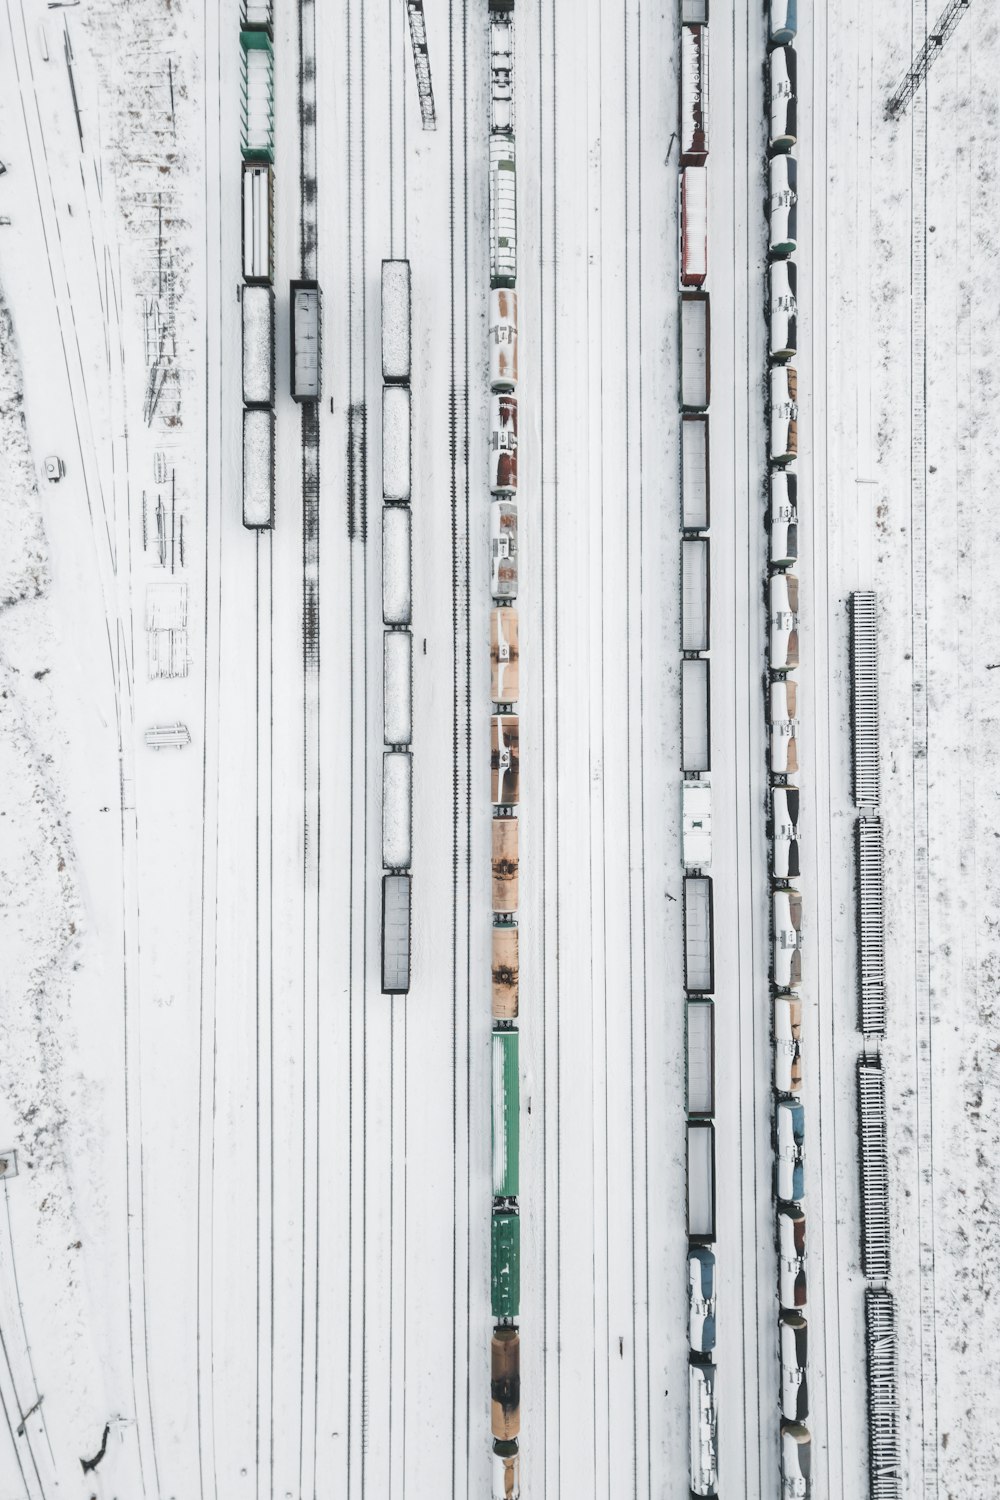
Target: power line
pixel 927 55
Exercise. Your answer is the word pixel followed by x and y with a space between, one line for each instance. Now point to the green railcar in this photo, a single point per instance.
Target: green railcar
pixel 257 96
pixel 506 1121
pixel 505 1262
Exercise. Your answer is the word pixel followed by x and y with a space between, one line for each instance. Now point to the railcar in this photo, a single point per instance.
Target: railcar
pixel 791 1257
pixel 694 225
pixel 504 973
pixel 783 518
pixel 790 1131
pixel 505 1383
pixel 695 485
pixel 693 124
pixel 257 95
pixel 503 443
pixel 787 1045
pixel 782 71
pixel 786 943
pixel 784 833
pixel 701 1180
pixel 502 73
pixel 397 688
pixel 397 809
pixel 306 343
pixel 696 573
pixel 704 1457
pixel 505 865
pixel 503 211
pixel 782 22
pixel 784 423
pixel 700 1061
pixel 796 1460
pixel 396 570
pixel 258 345
pixel 793 1331
pixel 701 1299
pixel 783 316
pixel 396 444
pixel 696 718
pixel 782 204
pixel 505 759
pixel 696 368
pixel 395 934
pixel 506 1470
pixel 395 321
pixel 784 727
pixel 503 550
pixel 783 604
pixel 696 824
pixel 504 655
pixel 506 1114
pixel 258 468
pixel 258 222
pixel 503 339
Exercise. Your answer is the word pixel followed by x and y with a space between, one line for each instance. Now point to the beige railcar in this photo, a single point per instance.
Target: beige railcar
pixel 505 831
pixel 505 759
pixel 505 659
pixel 505 973
pixel 505 1383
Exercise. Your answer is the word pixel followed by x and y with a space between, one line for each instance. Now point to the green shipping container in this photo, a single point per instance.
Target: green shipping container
pixel 506 1118
pixel 505 1260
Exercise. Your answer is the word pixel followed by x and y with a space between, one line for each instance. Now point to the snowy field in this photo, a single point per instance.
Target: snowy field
pixel 246 1250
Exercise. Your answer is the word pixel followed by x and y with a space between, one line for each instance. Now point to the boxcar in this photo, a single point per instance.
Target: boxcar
pixel 506 1114
pixel 504 655
pixel 695 487
pixel 696 820
pixel 503 549
pixel 695 351
pixel 503 339
pixel 505 759
pixel 503 443
pixel 794 1386
pixel 505 1383
pixel 505 865
pixel 505 974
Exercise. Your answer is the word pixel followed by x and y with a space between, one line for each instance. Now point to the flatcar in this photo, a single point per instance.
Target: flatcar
pixel 701 1299
pixel 786 958
pixel 503 339
pixel 503 443
pixel 694 225
pixel 783 604
pixel 505 1383
pixel 784 833
pixel 782 22
pixel 791 1257
pixel 793 1331
pixel 782 204
pixel 784 422
pixel 796 1460
pixel 787 1045
pixel 504 656
pixel 783 518
pixel 790 1130
pixel 784 727
pixel 783 317
pixel 503 549
pixel 783 70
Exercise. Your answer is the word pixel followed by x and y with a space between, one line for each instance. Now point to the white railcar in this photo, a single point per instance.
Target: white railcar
pixel 693 125
pixel 794 1385
pixel 397 592
pixel 786 944
pixel 397 808
pixel 784 727
pixel 397 687
pixel 503 339
pixel 503 549
pixel 785 857
pixel 783 313
pixel 784 413
pixel 796 1458
pixel 694 225
pixel 502 73
pixel 503 444
pixel 783 597
pixel 503 211
pixel 701 1299
pixel 396 444
pixel 783 517
pixel 783 70
pixel 395 320
pixel 782 206
pixel 787 1044
pixel 258 222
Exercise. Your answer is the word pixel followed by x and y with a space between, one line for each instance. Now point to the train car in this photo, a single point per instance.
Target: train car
pixel 782 70
pixel 701 1299
pixel 782 205
pixel 397 809
pixel 694 225
pixel 791 1257
pixel 505 865
pixel 692 130
pixel 503 339
pixel 258 223
pixel 395 321
pixel 255 15
pixel 784 833
pixel 397 688
pixel 503 550
pixel 505 1471
pixel 783 620
pixel 701 1180
pixel 695 485
pixel 397 591
pixel 784 722
pixel 786 943
pixel 505 759
pixel 696 572
pixel 505 974
pixel 699 936
pixel 700 1050
pixel 305 327
pixel 787 1045
pixel 258 345
pixel 783 518
pixel 783 309
pixel 506 1114
pixel 396 903
pixel 696 373
pixel 503 211
pixel 793 1331
pixel 504 1268
pixel 790 1131
pixel 505 1383
pixel 258 468
pixel 696 824
pixel 257 95
pixel 796 1452
pixel 504 655
pixel 694 12
pixel 782 22
pixel 502 74
pixel 703 1463
pixel 696 715
pixel 503 444
pixel 396 442
pixel 784 420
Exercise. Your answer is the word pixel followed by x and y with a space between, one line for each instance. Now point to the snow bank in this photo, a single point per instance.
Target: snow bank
pixel 23 556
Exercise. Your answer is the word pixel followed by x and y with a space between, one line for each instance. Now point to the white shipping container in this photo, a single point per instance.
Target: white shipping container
pixel 258 467
pixel 696 823
pixel 397 809
pixel 397 687
pixel 395 320
pixel 396 443
pixel 258 346
pixel 396 584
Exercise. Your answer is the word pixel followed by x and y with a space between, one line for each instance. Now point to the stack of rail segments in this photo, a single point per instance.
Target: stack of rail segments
pixel 257 292
pixel 880 1308
pixel 505 1223
pixel 781 522
pixel 397 639
pixel 696 791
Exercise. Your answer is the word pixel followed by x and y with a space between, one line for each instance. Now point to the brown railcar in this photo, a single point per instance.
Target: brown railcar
pixel 505 659
pixel 505 877
pixel 505 759
pixel 505 1383
pixel 505 974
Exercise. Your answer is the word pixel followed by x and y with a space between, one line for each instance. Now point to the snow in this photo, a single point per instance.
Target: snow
pixel 396 443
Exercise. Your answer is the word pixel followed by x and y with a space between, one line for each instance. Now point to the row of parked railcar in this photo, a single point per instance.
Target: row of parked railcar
pixel 505 770
pixel 784 795
pixel 257 291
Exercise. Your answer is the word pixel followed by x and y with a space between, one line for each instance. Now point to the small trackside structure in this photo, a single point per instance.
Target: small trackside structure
pixel 395 934
pixel 160 736
pixel 885 1470
pixel 871 926
pixel 864 698
pixel 874 1169
pixel 258 468
pixel 305 329
pixel 695 358
pixel 699 967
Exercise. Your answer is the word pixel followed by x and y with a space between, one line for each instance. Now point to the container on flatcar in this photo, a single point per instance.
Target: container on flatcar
pixel 783 315
pixel 505 865
pixel 794 1385
pixel 504 655
pixel 784 414
pixel 505 1263
pixel 782 204
pixel 693 124
pixel 782 22
pixel 701 1299
pixel 503 339
pixel 783 618
pixel 503 211
pixel 783 70
pixel 506 1113
pixel 506 1471
pixel 694 225
pixel 505 1383
pixel 696 374
pixel 784 727
pixel 785 854
pixel 791 1257
pixel 505 759
pixel 503 549
pixel 505 974
pixel 786 943
pixel 396 444
pixel 703 1458
pixel 796 1455
pixel 787 1044
pixel 783 517
pixel 502 74
pixel 790 1132
pixel 503 443
pixel 395 321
